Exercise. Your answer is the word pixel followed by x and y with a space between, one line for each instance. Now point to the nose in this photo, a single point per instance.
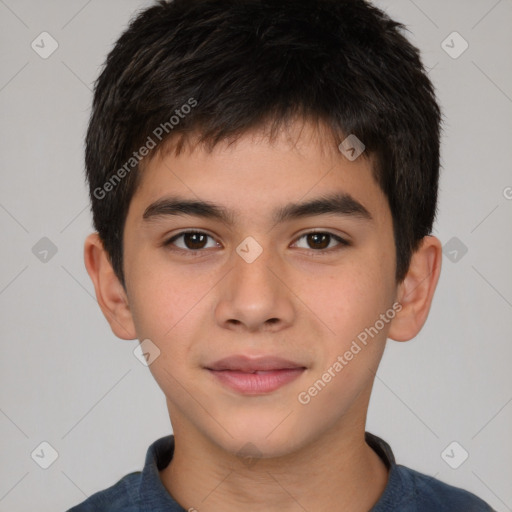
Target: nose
pixel 254 296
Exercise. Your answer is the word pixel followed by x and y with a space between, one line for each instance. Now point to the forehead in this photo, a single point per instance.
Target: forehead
pixel 255 176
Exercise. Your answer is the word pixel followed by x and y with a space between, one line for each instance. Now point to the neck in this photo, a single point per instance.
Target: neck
pixel 338 471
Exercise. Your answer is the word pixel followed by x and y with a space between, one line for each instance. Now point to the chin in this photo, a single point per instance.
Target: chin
pixel 261 437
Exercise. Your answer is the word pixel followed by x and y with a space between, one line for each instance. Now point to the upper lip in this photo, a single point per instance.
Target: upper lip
pixel 252 364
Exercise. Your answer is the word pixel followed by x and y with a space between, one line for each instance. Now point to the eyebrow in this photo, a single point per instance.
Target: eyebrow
pixel 341 204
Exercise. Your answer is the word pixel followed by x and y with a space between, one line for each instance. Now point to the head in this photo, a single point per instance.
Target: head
pixel 238 109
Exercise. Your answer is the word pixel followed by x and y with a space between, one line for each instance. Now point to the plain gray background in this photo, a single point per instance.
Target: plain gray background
pixel 68 381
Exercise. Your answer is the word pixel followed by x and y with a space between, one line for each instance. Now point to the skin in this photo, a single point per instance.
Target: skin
pixel 291 302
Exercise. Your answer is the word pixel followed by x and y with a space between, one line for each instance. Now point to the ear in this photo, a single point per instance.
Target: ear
pixel 416 291
pixel 110 294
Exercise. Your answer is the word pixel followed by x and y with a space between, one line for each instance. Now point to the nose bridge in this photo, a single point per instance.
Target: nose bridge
pixel 253 294
pixel 251 267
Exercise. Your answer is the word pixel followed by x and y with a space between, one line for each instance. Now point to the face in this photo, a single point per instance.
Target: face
pixel 265 280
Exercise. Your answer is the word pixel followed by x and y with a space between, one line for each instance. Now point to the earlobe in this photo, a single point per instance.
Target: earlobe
pixel 416 291
pixel 110 293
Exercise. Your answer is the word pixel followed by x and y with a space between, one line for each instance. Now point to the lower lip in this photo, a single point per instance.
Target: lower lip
pixel 256 383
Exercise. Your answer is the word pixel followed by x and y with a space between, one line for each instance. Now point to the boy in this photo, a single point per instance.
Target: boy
pixel 263 178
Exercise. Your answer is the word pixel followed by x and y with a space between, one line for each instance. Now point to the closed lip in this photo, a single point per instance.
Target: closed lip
pixel 247 364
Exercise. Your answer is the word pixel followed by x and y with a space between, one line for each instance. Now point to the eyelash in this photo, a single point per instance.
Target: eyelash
pixel 318 252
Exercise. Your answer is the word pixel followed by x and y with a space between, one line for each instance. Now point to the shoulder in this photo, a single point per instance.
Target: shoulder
pixel 120 497
pixel 427 493
pixel 408 490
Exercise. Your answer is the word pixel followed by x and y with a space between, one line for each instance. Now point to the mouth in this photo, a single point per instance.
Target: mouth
pixel 255 376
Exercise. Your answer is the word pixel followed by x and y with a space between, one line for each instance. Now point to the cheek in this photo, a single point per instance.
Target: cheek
pixel 164 308
pixel 350 296
pixel 159 298
pixel 351 303
pixel 351 306
pixel 171 306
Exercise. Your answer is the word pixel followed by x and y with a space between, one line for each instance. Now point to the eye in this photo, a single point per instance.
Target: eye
pixel 319 241
pixel 191 241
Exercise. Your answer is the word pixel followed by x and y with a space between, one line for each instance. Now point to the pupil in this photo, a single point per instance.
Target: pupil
pixel 314 239
pixel 191 240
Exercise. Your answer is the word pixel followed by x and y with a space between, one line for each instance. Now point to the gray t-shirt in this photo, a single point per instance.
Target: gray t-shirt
pixel 406 491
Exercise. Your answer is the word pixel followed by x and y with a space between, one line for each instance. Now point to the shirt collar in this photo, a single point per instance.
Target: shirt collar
pixel 153 496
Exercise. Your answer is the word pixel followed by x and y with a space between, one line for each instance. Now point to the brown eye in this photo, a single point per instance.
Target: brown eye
pixel 190 241
pixel 321 242
pixel 318 240
pixel 194 241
